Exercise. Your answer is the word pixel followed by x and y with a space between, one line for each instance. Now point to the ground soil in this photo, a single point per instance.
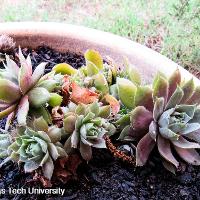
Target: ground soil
pixel 105 177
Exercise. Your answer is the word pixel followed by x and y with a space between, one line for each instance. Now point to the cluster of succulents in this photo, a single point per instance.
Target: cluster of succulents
pixel 72 111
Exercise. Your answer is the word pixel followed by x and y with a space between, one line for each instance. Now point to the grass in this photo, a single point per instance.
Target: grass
pixel 171 27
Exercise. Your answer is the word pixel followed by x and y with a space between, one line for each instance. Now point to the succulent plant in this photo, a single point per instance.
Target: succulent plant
pixel 169 119
pixel 5 141
pixel 7 44
pixel 87 126
pixel 21 88
pixel 38 147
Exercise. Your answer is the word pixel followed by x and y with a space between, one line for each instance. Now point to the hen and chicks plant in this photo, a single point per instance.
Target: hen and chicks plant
pixel 71 111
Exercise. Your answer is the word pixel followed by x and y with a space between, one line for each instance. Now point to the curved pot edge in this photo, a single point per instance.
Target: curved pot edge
pixel 77 39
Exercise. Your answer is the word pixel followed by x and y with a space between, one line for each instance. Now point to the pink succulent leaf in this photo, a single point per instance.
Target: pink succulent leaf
pixel 143 150
pixel 175 99
pixel 153 130
pixel 169 166
pixel 4 106
pixel 12 66
pixel 25 74
pixel 9 120
pixel 48 168
pixel 74 139
pixel 158 108
pixel 160 88
pixel 174 81
pixel 196 117
pixel 188 89
pixel 195 136
pixel 22 112
pixel 188 155
pixel 86 151
pixel 38 73
pixel 164 119
pixel 9 92
pixel 7 111
pixel 141 119
pixel 195 98
pixel 165 151
pixel 168 134
pixel 185 144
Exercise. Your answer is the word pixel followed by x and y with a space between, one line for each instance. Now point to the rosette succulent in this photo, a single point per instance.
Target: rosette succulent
pixel 22 88
pixel 38 147
pixel 87 126
pixel 170 120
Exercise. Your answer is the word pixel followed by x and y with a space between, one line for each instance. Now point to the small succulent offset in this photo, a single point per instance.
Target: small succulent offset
pixel 87 126
pixel 21 88
pixel 38 147
pixel 170 120
pixel 95 74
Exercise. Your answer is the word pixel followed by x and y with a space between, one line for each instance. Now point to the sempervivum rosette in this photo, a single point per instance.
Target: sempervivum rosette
pixel 38 147
pixel 169 120
pixel 87 127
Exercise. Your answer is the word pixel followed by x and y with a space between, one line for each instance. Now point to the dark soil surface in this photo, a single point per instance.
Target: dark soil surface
pixel 105 177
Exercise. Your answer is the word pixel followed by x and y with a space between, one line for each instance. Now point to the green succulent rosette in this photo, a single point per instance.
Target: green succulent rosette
pixel 38 147
pixel 5 141
pixel 168 117
pixel 23 89
pixel 87 127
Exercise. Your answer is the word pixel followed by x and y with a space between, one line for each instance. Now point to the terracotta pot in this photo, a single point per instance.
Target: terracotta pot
pixel 65 37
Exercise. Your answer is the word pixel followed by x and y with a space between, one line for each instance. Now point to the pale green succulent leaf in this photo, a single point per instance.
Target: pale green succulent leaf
pixel 94 108
pixel 104 111
pixel 174 82
pixel 126 91
pixel 143 97
pixel 53 151
pixel 168 134
pixel 38 73
pixel 54 134
pixel 188 109
pixel 38 96
pixel 101 83
pixel 69 123
pixel 23 109
pixel 40 124
pixel 7 111
pixel 50 84
pixel 164 119
pixel 160 88
pixel 30 166
pixel 195 98
pixel 188 89
pixel 9 92
pixel 94 57
pixel 55 100
pixel 125 132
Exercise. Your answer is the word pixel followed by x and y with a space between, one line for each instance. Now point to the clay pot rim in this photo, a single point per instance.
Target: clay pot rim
pixel 77 39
